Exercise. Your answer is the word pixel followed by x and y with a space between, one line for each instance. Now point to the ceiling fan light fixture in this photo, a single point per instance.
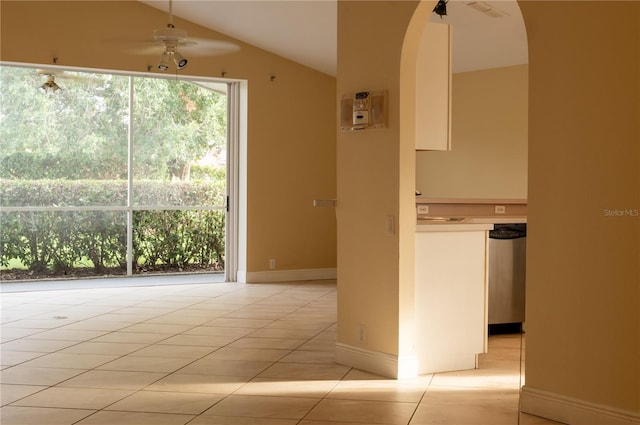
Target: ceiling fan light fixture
pixel 50 85
pixel 165 59
pixel 179 60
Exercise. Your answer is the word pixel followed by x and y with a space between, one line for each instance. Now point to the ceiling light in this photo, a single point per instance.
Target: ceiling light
pixel 179 60
pixel 50 85
pixel 441 8
pixel 164 61
pixel 171 55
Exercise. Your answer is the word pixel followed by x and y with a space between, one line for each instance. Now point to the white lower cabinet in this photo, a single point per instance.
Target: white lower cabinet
pixel 451 298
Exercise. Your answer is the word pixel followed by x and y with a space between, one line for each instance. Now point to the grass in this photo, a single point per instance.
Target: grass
pixel 14 264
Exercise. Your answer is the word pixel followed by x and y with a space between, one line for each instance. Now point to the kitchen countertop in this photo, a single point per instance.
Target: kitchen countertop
pixel 467 224
pixel 498 219
pixel 473 201
pixel 472 211
pixel 463 226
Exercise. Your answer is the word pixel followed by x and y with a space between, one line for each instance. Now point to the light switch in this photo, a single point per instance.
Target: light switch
pixel 391 225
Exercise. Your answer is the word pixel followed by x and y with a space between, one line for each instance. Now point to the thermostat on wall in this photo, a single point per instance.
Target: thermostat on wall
pixel 362 110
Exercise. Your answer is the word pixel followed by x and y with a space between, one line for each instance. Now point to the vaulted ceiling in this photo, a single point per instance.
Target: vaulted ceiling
pixel 305 31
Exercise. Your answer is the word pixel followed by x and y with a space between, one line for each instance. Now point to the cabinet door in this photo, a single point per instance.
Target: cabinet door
pixel 450 300
pixel 433 89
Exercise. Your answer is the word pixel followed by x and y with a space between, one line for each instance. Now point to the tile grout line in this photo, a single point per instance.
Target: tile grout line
pixel 325 396
pixel 424 393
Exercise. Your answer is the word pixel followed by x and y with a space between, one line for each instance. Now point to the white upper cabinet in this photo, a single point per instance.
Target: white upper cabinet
pixel 433 89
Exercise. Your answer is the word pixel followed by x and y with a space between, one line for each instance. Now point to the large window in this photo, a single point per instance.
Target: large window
pixel 104 174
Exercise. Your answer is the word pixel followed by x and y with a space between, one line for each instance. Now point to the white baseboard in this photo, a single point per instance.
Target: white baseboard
pixel 573 411
pixel 376 362
pixel 286 275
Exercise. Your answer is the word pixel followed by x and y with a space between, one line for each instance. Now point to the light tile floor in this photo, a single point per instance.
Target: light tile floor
pixel 220 353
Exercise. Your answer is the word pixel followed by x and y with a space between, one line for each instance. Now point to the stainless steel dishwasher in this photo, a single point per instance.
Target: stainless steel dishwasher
pixel 507 269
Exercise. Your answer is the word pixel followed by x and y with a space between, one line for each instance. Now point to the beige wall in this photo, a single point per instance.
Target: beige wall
pixel 489 139
pixel 583 268
pixel 377 50
pixel 370 38
pixel 290 152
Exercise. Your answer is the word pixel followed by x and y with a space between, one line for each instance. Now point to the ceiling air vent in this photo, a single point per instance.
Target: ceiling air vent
pixel 487 9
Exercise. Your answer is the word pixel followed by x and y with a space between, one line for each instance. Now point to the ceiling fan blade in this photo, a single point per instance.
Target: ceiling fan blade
pixel 61 74
pixel 148 47
pixel 192 46
pixel 50 71
pixel 206 47
pixel 132 45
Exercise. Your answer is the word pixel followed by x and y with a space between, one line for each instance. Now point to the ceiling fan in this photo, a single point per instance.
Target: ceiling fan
pixel 50 85
pixel 174 41
pixel 51 74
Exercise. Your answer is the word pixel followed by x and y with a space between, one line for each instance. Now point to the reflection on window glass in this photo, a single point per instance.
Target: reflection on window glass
pixel 63 243
pixel 65 139
pixel 178 239
pixel 72 142
pixel 179 143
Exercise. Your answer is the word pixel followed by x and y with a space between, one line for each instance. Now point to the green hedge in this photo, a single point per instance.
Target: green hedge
pixel 178 239
pixel 80 165
pixel 58 242
pixel 83 193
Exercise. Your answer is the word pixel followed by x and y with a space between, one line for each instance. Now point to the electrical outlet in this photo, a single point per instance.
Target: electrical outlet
pixel 423 209
pixel 272 264
pixel 362 333
pixel 500 209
